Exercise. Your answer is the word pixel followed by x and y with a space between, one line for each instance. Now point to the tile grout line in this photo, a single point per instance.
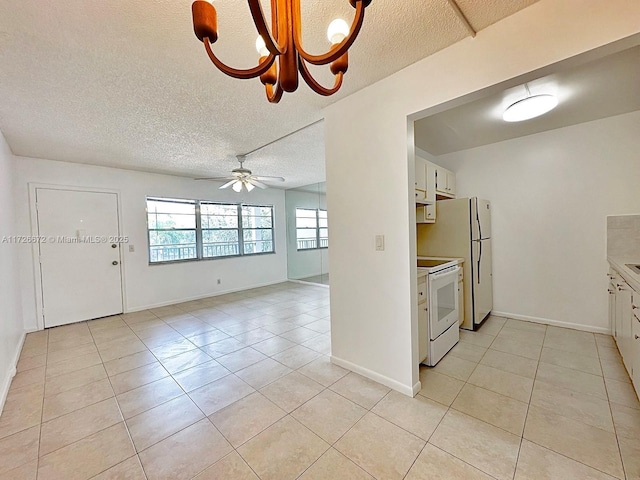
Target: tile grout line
pixel 115 398
pixel 615 430
pixel 449 407
pixel 526 418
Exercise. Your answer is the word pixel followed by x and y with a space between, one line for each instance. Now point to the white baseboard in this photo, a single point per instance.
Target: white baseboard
pixel 206 295
pixel 308 283
pixel 6 384
pixel 416 388
pixel 555 323
pixel 409 390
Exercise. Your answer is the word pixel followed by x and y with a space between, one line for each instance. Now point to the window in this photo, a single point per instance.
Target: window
pixel 312 229
pixel 257 229
pixel 172 230
pixel 220 230
pixel 197 230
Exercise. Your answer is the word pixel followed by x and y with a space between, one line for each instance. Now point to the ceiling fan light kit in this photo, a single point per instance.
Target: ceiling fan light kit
pixel 531 106
pixel 282 56
pixel 242 178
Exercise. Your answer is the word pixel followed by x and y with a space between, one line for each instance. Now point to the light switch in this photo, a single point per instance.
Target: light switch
pixel 132 249
pixel 380 243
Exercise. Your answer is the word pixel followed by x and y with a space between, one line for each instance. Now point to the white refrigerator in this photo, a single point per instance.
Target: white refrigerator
pixel 463 229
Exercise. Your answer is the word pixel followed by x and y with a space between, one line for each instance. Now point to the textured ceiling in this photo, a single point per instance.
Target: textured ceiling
pixel 599 89
pixel 125 83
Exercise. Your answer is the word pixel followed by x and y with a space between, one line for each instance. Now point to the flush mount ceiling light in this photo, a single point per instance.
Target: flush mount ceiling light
pixel 529 107
pixel 283 43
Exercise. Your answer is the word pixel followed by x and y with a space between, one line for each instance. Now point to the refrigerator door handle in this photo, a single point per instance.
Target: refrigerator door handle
pixel 479 260
pixel 478 221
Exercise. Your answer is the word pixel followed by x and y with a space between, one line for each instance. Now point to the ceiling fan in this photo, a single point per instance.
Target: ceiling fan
pixel 242 177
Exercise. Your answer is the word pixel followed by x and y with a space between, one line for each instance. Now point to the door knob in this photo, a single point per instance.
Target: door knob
pixel 114 262
pixel 637 337
pixel 114 245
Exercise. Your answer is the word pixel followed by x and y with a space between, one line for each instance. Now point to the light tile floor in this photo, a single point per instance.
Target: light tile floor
pixel 240 387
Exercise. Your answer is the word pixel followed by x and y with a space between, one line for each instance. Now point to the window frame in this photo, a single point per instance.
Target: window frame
pixel 149 229
pixel 317 229
pixel 199 230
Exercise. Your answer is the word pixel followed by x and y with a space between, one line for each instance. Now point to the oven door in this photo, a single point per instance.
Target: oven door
pixel 444 307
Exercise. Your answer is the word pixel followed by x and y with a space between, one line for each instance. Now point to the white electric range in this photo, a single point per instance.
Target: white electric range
pixel 439 328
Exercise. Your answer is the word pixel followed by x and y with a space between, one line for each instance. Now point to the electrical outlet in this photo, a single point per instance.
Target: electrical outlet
pixel 219 281
pixel 380 243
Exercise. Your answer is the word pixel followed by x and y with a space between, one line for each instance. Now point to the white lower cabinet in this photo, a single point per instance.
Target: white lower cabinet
pixel 624 312
pixel 624 316
pixel 423 319
pixel 635 341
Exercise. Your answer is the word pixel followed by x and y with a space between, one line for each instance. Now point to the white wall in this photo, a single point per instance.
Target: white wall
pixel 373 298
pixel 304 263
pixel 551 193
pixel 147 286
pixel 11 327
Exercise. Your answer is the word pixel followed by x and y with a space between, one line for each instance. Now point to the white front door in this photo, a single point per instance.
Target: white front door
pixel 79 255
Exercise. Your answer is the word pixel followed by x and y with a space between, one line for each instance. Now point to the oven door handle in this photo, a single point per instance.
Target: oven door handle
pixel 442 274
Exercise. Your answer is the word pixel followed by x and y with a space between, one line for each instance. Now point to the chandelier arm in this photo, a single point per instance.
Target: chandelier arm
pixel 261 25
pixel 337 50
pixel 234 72
pixel 274 95
pixel 313 83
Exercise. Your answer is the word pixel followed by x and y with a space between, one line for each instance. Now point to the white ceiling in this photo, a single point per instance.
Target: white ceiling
pixel 125 83
pixel 599 89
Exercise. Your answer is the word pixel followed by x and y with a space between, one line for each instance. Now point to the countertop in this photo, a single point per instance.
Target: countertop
pixel 632 278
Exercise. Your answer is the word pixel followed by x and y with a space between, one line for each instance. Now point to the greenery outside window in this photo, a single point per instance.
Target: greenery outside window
pixel 172 230
pixel 182 230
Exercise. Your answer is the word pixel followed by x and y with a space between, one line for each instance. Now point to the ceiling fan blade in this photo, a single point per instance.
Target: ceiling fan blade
pixel 216 179
pixel 257 183
pixel 270 179
pixel 228 184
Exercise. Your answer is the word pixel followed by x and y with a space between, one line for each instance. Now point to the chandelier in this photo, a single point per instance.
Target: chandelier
pixel 284 44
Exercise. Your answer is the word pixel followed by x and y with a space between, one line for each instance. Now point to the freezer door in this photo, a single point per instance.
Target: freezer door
pixel 480 219
pixel 482 280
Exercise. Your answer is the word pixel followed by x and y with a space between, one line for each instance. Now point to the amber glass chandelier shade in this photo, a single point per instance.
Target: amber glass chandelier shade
pixel 283 59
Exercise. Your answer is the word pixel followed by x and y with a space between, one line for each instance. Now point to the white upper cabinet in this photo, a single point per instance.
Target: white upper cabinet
pixel 421 180
pixel 445 183
pixel 426 189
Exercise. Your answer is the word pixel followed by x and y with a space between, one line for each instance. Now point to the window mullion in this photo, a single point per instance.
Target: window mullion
pixel 240 230
pixel 199 247
pixel 317 228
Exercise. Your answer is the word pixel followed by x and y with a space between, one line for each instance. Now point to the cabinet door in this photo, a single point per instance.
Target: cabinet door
pixel 421 174
pixel 624 315
pixel 461 299
pixel 426 213
pixel 611 292
pixel 431 182
pixel 423 321
pixel 441 180
pixel 451 183
pixel 635 347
